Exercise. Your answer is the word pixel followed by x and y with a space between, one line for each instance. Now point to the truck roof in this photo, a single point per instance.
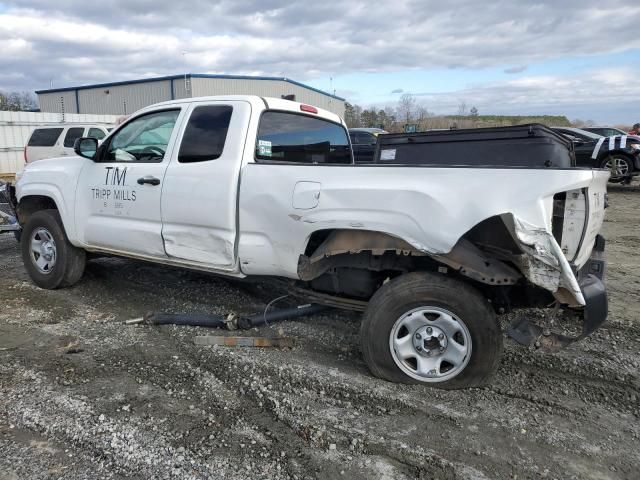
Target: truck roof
pixel 270 103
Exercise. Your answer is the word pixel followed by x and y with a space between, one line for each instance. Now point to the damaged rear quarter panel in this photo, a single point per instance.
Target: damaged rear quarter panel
pixel 429 208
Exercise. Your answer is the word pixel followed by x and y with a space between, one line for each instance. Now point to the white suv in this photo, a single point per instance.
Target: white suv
pixel 58 140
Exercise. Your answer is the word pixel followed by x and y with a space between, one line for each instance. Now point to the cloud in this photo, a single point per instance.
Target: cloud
pixel 71 42
pixel 576 95
pixel 74 42
pixel 519 69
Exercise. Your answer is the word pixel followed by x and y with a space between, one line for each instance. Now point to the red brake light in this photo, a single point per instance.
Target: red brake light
pixel 308 108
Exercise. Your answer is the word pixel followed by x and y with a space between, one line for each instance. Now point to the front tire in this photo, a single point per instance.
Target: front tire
pixel 426 328
pixel 623 167
pixel 49 258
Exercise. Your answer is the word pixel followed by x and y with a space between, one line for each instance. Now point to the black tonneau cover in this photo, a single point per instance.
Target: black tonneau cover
pixel 531 145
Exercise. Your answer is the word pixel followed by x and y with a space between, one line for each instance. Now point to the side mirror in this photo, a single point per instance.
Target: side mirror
pixel 86 147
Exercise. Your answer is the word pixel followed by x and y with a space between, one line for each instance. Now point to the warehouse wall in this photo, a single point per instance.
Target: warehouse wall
pixel 53 102
pixel 16 127
pixel 109 100
pixel 129 97
pixel 123 99
pixel 265 88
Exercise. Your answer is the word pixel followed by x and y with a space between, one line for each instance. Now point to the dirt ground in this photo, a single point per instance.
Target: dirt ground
pixel 145 402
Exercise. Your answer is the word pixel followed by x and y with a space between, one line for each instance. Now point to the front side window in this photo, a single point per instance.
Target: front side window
pixel 205 133
pixel 96 133
pixel 72 135
pixel 144 139
pixel 44 137
pixel 291 137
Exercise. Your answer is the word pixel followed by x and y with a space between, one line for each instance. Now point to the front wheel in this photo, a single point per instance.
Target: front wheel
pixel 431 329
pixel 49 258
pixel 620 166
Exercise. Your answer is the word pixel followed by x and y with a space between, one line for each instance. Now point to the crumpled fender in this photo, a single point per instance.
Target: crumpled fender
pixel 544 263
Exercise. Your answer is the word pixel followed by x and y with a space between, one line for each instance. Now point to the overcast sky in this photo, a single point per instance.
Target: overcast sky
pixel 579 58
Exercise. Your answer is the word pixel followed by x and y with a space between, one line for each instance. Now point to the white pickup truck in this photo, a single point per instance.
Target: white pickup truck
pixel 250 186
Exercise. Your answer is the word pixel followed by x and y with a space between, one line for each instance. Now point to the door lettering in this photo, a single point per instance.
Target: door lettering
pixel 114 177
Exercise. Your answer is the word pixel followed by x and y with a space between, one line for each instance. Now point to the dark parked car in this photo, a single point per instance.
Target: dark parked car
pixel 598 151
pixel 605 131
pixel 363 142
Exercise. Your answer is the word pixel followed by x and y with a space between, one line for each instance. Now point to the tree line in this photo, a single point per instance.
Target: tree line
pixel 410 111
pixel 18 101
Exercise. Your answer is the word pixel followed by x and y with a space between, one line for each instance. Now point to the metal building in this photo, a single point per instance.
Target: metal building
pixel 123 98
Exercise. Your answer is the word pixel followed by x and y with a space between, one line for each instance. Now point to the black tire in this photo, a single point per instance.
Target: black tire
pixel 618 158
pixel 69 260
pixel 421 289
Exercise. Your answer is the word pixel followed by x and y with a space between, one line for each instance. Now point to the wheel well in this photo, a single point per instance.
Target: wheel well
pixel 480 253
pixel 33 203
pixel 355 263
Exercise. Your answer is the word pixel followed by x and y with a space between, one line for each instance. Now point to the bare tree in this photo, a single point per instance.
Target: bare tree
pixel 422 116
pixel 462 109
pixel 406 107
pixel 473 112
pixel 17 101
pixel 391 117
pixel 357 115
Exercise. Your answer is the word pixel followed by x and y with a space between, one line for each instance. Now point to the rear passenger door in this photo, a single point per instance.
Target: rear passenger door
pixel 70 137
pixel 199 197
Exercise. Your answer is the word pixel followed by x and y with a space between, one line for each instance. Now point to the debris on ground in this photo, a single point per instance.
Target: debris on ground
pixel 244 341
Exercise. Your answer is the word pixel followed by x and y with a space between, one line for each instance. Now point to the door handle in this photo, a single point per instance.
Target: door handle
pixel 150 180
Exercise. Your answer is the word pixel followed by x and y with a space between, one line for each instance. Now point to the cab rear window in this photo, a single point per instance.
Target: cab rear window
pixel 294 138
pixel 44 137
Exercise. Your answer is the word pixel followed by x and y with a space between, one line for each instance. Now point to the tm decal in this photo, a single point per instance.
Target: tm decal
pixel 115 188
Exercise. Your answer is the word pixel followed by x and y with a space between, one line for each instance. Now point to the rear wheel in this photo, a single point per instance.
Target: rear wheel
pixel 431 329
pixel 49 258
pixel 620 166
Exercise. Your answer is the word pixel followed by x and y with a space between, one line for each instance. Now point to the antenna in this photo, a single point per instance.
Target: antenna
pixel 331 89
pixel 186 83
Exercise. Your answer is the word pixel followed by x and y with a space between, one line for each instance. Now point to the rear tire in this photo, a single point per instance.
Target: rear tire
pixel 49 258
pixel 425 328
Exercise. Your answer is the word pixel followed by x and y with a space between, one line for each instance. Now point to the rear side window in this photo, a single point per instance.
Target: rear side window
pixel 44 137
pixel 205 134
pixel 363 138
pixel 291 137
pixel 72 135
pixel 96 133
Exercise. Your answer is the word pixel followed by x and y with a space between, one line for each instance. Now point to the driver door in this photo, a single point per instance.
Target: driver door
pixel 118 195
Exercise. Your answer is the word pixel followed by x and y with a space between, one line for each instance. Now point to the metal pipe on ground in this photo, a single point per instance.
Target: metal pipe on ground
pixel 230 322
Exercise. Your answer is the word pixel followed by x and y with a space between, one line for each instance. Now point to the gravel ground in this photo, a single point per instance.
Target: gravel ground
pixel 144 402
